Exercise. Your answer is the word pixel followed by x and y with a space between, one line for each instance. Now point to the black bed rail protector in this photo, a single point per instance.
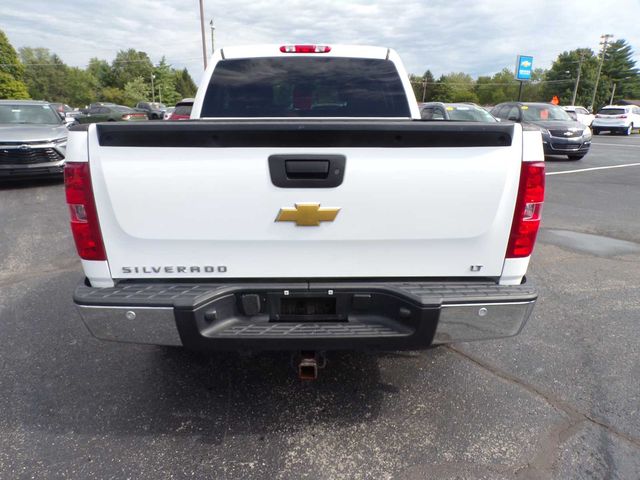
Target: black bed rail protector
pixel 325 133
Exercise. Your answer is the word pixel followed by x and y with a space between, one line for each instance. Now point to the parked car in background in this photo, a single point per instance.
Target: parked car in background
pixel 33 139
pixel 111 113
pixel 617 118
pixel 67 113
pixel 579 114
pixel 168 112
pixel 154 110
pixel 560 134
pixel 463 112
pixel 65 110
pixel 100 104
pixel 183 110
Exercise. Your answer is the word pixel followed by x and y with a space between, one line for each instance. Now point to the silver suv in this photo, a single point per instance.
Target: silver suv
pixel 33 139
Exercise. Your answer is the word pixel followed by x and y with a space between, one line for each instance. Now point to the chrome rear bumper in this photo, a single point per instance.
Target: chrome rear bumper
pixel 390 316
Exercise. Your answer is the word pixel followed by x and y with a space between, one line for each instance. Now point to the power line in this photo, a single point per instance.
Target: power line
pixel 62 64
pixel 418 82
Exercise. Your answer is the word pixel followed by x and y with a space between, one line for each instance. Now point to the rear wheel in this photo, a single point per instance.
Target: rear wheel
pixel 576 157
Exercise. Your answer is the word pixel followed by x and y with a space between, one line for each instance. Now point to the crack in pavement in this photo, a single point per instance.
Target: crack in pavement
pixel 543 460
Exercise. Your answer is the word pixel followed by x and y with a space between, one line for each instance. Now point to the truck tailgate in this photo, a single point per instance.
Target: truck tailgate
pixel 197 200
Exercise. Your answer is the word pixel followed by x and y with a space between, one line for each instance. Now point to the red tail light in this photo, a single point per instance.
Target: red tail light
pixel 526 219
pixel 82 208
pixel 622 116
pixel 305 49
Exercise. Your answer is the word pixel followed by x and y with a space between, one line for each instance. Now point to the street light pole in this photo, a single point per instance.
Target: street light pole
pixel 153 90
pixel 212 32
pixel 204 45
pixel 575 89
pixel 605 41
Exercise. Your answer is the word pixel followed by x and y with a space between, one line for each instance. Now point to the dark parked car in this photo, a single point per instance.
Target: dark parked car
pixel 462 112
pixel 111 113
pixel 561 135
pixel 100 104
pixel 182 110
pixel 33 139
pixel 154 110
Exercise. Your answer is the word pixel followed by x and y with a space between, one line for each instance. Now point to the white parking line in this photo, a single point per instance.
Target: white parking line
pixel 594 168
pixel 615 145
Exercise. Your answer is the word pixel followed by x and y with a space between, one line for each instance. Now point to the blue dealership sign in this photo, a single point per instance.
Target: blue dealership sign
pixel 524 67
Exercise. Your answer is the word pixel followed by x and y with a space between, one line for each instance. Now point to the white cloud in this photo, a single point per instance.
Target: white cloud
pixel 478 37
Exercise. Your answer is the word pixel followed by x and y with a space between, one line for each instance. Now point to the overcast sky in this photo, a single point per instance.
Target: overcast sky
pixel 479 37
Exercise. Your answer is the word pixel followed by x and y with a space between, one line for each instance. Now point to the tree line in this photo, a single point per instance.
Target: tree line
pixel 39 74
pixel 618 68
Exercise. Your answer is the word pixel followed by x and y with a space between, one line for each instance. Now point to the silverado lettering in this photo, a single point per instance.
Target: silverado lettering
pixel 175 269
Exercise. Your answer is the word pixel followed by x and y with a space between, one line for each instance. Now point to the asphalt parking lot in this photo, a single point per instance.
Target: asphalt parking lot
pixel 561 400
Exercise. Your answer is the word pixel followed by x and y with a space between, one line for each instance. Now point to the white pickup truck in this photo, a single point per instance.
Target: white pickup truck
pixel 304 207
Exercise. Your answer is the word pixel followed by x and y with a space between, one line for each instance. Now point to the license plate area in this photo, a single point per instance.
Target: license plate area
pixel 308 307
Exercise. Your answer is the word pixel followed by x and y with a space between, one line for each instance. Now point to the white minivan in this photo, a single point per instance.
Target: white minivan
pixel 617 118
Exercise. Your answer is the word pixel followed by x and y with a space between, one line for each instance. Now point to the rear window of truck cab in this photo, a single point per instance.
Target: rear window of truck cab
pixel 305 87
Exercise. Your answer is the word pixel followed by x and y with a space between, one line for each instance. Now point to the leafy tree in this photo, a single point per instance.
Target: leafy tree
pixel 422 86
pixel 113 94
pixel 165 83
pixel 559 82
pixel 45 74
pixel 81 87
pixel 13 89
pixel 129 65
pixel 9 58
pixel 501 87
pixel 101 71
pixel 136 90
pixel 11 71
pixel 185 86
pixel 454 87
pixel 416 85
pixel 533 91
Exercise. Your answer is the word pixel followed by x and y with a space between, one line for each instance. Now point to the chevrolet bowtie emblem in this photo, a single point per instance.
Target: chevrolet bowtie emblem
pixel 307 214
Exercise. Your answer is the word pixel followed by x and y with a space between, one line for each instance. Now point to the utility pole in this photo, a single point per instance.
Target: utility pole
pixel 615 84
pixel 613 91
pixel 153 90
pixel 575 89
pixel 424 89
pixel 605 42
pixel 212 32
pixel 204 45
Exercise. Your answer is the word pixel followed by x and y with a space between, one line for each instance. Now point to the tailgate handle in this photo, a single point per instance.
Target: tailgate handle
pixel 307 171
pixel 306 168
